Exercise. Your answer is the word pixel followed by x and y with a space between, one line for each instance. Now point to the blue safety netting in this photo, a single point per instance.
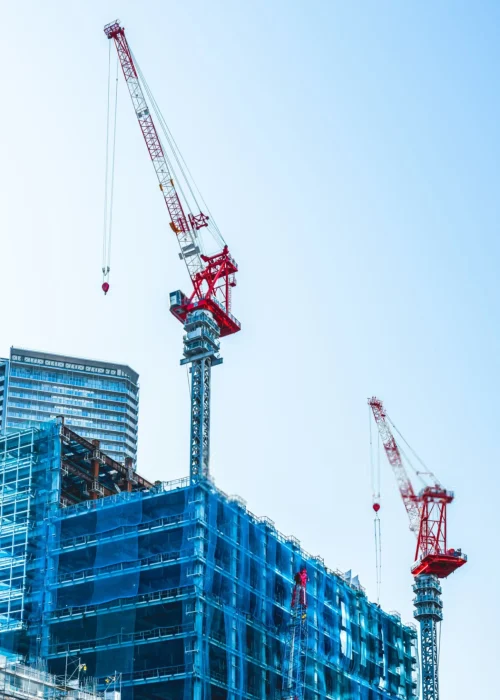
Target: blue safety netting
pixel 29 489
pixel 181 592
pixel 227 633
pixel 355 650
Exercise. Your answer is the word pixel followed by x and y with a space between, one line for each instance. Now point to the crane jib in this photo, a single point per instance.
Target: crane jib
pixel 212 277
pixel 153 144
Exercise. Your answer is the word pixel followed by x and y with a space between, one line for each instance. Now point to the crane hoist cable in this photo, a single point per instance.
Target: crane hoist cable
pixel 181 163
pixel 375 483
pixel 374 469
pixel 427 472
pixel 378 554
pixel 109 178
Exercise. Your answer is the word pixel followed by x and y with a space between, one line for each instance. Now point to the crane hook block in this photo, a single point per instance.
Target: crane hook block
pixel 376 507
pixel 105 287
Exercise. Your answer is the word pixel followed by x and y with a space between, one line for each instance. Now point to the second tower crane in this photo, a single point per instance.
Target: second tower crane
pixel 433 559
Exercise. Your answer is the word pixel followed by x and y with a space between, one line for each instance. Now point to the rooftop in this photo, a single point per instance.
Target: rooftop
pixel 72 363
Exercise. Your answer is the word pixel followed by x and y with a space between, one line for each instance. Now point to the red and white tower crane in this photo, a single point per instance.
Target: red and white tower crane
pixel 212 276
pixel 206 310
pixel 433 559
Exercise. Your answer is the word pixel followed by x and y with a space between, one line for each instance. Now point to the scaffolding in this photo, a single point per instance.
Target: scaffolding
pixel 21 682
pixel 29 484
pixel 186 594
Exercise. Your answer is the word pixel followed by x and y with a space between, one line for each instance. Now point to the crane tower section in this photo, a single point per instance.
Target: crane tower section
pixel 206 311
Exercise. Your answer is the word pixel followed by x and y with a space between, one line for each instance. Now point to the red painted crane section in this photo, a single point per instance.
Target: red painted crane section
pixel 426 510
pixel 212 276
pixel 179 221
pixel 395 460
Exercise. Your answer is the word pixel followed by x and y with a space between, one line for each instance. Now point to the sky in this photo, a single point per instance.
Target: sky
pixel 349 152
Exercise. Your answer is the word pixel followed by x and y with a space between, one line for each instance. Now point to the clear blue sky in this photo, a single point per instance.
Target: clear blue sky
pixel 349 152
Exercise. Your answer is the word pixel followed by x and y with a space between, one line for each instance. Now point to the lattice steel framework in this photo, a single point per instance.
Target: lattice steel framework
pixel 17 462
pixel 201 350
pixel 428 611
pixel 185 228
pixel 200 418
pixel 294 671
pixel 182 591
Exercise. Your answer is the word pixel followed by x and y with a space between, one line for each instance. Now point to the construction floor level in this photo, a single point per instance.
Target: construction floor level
pixel 176 587
pixel 21 682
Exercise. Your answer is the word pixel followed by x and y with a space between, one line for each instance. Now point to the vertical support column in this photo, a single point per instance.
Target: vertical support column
pixel 428 611
pixel 46 535
pixel 129 465
pixel 233 570
pixel 200 419
pixel 198 662
pixel 294 675
pixel 201 350
pixel 262 587
pixel 95 471
pixel 199 498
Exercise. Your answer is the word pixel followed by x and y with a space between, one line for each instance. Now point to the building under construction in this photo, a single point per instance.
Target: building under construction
pixel 21 682
pixel 174 586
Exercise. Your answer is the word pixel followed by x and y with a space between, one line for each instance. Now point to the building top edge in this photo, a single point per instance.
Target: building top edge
pixel 71 359
pixel 316 562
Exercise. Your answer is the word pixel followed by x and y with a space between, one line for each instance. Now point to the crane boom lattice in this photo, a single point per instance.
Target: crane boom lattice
pixel 395 460
pixel 183 226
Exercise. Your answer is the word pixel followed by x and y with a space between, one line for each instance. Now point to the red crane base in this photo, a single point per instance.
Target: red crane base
pixel 227 323
pixel 440 565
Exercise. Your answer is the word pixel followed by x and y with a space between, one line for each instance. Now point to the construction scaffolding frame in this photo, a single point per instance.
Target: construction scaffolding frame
pixel 186 594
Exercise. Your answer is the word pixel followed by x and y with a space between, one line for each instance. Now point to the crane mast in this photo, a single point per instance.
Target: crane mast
pixel 433 560
pixel 206 311
pixel 294 667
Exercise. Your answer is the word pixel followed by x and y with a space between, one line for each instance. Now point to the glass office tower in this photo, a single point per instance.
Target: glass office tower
pixel 100 400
